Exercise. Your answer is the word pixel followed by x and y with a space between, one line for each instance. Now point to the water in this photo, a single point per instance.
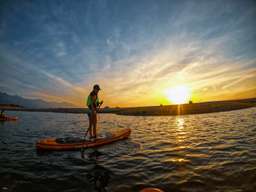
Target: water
pixel 208 152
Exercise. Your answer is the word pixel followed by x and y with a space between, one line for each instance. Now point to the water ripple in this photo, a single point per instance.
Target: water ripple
pixel 208 152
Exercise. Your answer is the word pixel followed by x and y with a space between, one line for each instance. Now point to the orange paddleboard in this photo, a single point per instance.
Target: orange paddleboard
pixel 69 143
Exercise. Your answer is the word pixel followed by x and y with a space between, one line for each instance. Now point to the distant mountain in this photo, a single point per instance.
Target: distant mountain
pixel 30 103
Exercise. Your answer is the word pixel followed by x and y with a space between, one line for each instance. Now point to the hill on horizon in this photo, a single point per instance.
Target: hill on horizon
pixel 31 103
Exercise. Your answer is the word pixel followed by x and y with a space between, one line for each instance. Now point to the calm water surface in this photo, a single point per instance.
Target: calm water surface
pixel 208 152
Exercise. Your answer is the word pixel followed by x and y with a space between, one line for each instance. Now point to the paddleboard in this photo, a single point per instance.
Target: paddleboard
pixel 8 118
pixel 72 143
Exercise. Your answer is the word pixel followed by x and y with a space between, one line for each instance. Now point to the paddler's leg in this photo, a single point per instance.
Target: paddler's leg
pixel 90 124
pixel 94 125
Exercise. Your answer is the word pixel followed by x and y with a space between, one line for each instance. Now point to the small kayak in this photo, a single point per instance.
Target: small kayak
pixel 150 189
pixel 74 143
pixel 8 118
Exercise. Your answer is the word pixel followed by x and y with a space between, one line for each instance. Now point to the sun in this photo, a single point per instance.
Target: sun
pixel 178 95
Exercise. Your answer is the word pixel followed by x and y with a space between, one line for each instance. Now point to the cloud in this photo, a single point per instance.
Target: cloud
pixel 62 49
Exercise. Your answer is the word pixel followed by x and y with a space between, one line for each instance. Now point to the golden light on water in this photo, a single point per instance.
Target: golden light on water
pixel 181 133
pixel 179 94
pixel 180 123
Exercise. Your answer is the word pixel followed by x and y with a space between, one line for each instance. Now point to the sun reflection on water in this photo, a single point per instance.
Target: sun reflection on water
pixel 180 128
pixel 181 137
pixel 180 123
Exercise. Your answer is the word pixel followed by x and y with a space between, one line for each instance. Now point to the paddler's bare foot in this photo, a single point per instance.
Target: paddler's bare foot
pixel 93 138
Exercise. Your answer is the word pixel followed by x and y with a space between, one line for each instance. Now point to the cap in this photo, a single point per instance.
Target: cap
pixel 96 86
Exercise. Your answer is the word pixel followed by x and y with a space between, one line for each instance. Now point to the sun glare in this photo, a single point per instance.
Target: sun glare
pixel 178 95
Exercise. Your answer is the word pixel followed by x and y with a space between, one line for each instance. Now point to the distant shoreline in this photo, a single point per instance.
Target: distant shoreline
pixel 165 110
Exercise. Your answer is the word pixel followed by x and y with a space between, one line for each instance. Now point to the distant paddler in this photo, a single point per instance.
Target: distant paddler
pixel 2 113
pixel 93 105
pixel 6 118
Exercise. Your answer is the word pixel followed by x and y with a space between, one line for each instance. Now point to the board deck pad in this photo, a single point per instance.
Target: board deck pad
pixel 70 140
pixel 79 139
pixel 76 143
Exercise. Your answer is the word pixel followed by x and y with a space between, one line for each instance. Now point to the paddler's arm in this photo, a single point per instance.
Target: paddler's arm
pixel 99 103
pixel 94 109
pixel 90 104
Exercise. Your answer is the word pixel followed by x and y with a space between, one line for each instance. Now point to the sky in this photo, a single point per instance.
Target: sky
pixel 135 50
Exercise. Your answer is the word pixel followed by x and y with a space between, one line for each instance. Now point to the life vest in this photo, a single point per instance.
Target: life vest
pixel 92 100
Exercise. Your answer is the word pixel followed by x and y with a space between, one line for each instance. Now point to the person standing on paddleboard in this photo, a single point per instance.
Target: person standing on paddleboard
pixel 93 105
pixel 2 113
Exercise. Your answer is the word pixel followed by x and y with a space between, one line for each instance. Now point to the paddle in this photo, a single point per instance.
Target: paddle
pixel 98 108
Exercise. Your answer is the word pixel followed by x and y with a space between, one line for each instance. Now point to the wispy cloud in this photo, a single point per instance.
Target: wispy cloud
pixel 57 51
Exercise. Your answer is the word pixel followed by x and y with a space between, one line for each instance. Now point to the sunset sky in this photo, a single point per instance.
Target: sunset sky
pixel 136 50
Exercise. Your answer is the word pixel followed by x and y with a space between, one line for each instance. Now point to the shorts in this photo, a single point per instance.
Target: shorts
pixel 89 113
